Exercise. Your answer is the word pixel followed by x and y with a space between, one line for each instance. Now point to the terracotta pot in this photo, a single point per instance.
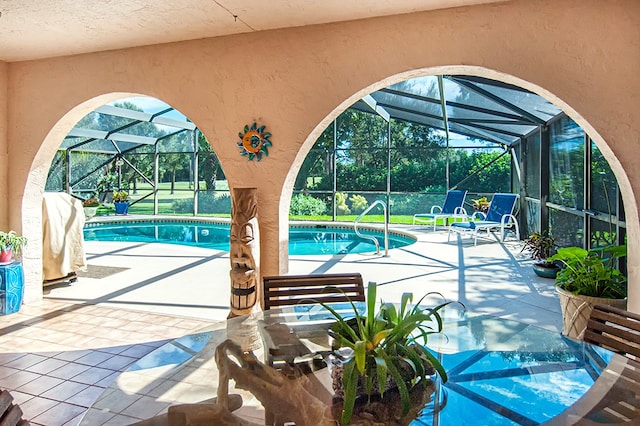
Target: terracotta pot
pixel 576 310
pixel 5 256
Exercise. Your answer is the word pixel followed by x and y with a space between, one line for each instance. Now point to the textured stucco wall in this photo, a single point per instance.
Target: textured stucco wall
pixel 4 150
pixel 295 81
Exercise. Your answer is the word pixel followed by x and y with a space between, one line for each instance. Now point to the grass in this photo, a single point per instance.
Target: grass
pixel 183 190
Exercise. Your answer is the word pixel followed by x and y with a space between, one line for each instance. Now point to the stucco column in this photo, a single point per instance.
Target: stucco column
pixel 4 150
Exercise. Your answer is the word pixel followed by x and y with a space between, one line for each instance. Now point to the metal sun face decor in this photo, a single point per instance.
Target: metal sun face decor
pixel 254 142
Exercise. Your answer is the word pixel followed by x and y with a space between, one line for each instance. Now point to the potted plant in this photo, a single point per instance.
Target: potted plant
pixel 588 277
pixel 385 349
pixel 90 206
pixel 121 201
pixel 481 204
pixel 540 246
pixel 10 244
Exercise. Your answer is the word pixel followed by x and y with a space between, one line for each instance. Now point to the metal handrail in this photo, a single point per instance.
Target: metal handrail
pixel 386 227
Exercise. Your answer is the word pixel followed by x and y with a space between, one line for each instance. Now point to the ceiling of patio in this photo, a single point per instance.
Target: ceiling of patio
pixel 471 110
pixel 34 29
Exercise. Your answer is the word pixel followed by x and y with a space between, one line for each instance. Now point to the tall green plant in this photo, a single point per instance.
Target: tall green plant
pixel 388 344
pixel 592 272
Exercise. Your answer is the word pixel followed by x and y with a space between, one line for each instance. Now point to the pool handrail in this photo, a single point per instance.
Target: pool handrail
pixel 386 227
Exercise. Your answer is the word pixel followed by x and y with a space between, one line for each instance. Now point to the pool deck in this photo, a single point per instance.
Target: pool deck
pixel 58 355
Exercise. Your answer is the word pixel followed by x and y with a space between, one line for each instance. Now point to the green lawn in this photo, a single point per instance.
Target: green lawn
pixel 184 191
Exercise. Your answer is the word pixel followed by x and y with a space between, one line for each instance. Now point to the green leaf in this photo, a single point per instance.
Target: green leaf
pixel 404 301
pixel 360 354
pixel 436 364
pixel 350 384
pixel 402 386
pixel 371 302
pixel 381 373
pixel 389 313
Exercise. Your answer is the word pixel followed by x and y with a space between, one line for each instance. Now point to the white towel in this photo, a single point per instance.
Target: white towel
pixel 62 235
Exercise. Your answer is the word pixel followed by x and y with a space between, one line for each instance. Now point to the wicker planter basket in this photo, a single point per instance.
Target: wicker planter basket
pixel 576 310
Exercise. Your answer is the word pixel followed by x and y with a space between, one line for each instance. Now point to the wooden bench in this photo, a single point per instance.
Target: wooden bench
pixel 614 329
pixel 11 413
pixel 287 290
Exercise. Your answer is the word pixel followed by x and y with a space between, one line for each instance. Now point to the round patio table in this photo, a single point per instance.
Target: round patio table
pixel 501 372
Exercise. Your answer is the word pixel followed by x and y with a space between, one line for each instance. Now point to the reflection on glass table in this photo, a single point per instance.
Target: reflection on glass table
pixel 501 372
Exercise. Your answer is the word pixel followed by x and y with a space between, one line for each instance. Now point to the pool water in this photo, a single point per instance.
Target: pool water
pixel 303 240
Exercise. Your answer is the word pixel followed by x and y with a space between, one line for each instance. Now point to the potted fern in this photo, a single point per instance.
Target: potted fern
pixel 588 277
pixel 10 244
pixel 384 351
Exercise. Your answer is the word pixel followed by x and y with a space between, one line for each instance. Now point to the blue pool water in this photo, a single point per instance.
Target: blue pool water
pixel 303 240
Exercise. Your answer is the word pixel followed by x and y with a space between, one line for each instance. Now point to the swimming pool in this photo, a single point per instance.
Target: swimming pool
pixel 303 239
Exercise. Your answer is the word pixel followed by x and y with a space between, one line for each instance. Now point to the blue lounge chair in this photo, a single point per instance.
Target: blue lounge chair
pixel 499 216
pixel 452 207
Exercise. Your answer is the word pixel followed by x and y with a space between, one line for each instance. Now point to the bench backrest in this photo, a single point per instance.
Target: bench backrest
pixel 287 290
pixel 614 329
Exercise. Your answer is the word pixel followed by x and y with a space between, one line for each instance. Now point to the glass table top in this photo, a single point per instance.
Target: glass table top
pixel 501 372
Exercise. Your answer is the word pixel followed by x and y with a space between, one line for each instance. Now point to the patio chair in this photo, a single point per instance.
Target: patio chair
pixel 615 397
pixel 287 290
pixel 614 329
pixel 452 207
pixel 281 345
pixel 499 216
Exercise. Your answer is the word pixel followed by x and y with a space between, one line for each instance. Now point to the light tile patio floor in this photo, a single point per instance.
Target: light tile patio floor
pixel 57 356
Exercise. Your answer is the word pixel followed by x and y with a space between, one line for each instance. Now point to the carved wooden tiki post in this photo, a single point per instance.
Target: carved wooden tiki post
pixel 244 252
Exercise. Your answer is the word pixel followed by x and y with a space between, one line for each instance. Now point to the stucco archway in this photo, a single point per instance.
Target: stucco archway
pixel 616 166
pixel 38 176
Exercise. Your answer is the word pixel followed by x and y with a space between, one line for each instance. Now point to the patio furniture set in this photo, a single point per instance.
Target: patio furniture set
pixel 499 216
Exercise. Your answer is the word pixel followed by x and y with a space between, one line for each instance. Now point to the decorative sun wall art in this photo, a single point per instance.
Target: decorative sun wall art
pixel 254 142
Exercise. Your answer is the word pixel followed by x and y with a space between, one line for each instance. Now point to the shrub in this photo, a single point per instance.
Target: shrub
pixel 306 205
pixel 208 202
pixel 184 205
pixel 358 203
pixel 341 203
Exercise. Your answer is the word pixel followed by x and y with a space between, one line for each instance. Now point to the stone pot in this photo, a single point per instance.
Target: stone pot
pixel 90 212
pixel 381 409
pixel 546 270
pixel 576 310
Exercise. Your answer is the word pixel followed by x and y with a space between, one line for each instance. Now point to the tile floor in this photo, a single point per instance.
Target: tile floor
pixel 58 355
pixel 57 358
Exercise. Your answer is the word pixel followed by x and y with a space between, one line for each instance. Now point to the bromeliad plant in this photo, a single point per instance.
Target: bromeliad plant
pixel 387 346
pixel 120 196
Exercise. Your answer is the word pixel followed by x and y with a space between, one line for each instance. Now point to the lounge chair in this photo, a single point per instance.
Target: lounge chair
pixel 499 216
pixel 452 207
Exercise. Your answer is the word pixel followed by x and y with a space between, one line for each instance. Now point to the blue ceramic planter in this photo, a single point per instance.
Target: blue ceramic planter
pixel 122 207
